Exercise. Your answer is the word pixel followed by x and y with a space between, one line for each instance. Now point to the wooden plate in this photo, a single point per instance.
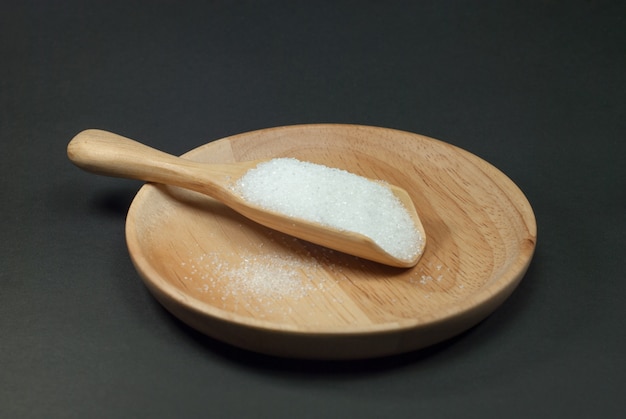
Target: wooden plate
pixel 260 290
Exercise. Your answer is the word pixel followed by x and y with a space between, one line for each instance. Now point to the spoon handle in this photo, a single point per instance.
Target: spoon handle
pixel 106 153
pixel 110 154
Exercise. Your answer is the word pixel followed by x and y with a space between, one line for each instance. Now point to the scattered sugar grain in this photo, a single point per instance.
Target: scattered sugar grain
pixel 262 277
pixel 335 198
pixel 266 276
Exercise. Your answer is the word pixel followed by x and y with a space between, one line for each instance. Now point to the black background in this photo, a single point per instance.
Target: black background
pixel 537 88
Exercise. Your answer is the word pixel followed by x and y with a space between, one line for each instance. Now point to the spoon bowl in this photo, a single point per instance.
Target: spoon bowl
pixel 110 154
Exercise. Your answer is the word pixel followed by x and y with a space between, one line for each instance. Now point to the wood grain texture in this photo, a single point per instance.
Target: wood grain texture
pixel 204 262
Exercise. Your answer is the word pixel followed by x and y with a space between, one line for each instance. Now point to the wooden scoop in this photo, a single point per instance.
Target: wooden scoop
pixel 110 154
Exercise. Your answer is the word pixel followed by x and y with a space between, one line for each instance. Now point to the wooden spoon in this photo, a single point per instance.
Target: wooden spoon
pixel 110 154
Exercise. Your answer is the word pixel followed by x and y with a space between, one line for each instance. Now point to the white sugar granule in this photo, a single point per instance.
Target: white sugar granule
pixel 335 198
pixel 269 276
pixel 254 275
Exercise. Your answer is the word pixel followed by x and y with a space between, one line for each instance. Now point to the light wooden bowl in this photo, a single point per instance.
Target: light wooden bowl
pixel 261 290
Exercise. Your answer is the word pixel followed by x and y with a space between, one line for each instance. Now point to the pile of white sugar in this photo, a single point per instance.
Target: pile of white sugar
pixel 335 198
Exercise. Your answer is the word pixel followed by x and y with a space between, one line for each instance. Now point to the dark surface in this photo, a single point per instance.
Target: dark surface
pixel 536 88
